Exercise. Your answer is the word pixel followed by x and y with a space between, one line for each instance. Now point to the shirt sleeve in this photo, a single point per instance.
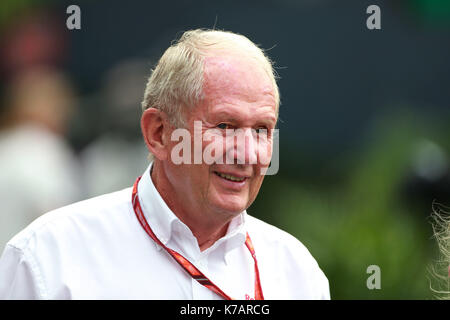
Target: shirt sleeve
pixel 19 277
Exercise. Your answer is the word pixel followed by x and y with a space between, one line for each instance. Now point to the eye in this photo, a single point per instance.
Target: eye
pixel 261 130
pixel 223 126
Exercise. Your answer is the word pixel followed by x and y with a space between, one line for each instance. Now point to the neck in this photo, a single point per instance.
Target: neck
pixel 206 238
pixel 203 226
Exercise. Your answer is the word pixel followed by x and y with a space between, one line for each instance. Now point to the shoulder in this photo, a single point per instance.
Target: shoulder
pixel 65 245
pixel 76 220
pixel 285 254
pixel 275 238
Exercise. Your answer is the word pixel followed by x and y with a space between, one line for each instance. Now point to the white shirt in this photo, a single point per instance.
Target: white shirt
pixel 96 249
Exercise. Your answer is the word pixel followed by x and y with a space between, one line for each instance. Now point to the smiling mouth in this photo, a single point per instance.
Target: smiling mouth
pixel 230 177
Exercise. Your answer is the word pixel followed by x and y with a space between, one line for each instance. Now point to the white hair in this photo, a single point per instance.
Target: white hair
pixel 176 83
pixel 440 271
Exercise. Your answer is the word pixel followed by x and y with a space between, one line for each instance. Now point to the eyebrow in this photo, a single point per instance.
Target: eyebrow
pixel 227 116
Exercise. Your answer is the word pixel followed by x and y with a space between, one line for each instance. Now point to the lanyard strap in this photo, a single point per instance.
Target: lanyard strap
pixel 186 264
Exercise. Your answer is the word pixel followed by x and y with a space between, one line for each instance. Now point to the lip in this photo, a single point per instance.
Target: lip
pixel 233 185
pixel 235 174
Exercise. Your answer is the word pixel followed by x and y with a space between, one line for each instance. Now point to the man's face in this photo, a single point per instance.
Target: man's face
pixel 238 98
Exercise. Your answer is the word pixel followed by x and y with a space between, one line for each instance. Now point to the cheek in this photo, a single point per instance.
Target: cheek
pixel 198 182
pixel 264 151
pixel 257 181
pixel 254 187
pixel 213 147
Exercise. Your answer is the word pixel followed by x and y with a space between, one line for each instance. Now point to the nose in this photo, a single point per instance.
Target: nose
pixel 245 146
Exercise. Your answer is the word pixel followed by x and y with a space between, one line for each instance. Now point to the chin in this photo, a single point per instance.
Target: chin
pixel 231 205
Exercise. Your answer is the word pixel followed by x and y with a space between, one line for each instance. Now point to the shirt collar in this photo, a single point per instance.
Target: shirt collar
pixel 162 221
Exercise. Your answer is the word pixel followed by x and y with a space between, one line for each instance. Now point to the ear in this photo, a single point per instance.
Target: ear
pixel 155 129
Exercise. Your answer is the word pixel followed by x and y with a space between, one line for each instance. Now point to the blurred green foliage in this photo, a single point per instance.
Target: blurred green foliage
pixel 10 9
pixel 435 12
pixel 362 219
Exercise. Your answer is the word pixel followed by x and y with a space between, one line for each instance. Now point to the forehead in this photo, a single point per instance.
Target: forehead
pixel 235 74
pixel 235 80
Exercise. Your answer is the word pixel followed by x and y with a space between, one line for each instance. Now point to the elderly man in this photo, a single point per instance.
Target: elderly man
pixel 182 231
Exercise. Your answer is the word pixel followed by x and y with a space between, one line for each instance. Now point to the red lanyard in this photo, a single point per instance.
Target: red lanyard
pixel 184 263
